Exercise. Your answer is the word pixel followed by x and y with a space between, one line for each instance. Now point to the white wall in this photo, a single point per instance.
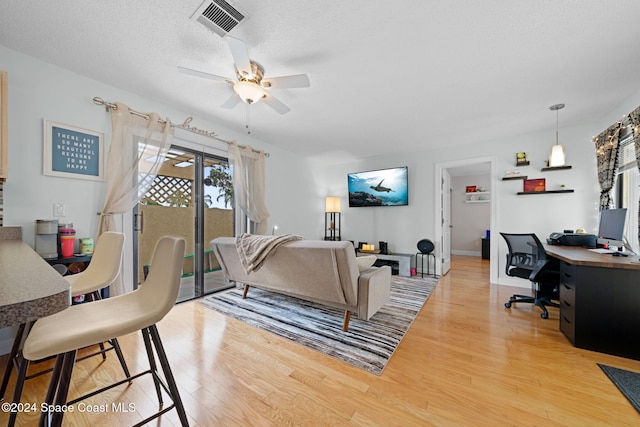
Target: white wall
pixel 402 227
pixel 469 220
pixel 38 90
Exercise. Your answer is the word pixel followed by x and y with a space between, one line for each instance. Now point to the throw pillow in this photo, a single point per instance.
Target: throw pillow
pixel 364 262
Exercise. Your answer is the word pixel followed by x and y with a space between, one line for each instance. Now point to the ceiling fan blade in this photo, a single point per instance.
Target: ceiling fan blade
pixel 240 55
pixel 287 82
pixel 209 76
pixel 232 101
pixel 272 102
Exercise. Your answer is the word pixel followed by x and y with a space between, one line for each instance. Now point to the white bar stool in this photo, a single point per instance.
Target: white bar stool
pixel 79 326
pixel 101 273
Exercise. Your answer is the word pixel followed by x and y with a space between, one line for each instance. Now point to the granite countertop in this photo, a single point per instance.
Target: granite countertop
pixel 29 287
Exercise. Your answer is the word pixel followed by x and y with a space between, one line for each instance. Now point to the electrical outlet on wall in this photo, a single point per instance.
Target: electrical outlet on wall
pixel 59 209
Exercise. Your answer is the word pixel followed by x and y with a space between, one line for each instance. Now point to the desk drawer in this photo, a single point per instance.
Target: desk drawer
pixel 567 273
pixel 568 326
pixel 567 294
pixel 568 311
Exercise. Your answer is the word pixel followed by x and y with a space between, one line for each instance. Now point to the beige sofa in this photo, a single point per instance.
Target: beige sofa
pixel 324 272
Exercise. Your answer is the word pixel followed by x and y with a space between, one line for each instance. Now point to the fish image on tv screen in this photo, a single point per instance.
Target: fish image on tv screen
pixel 383 187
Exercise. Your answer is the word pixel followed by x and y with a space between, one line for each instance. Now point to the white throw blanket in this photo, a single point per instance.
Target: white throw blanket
pixel 253 249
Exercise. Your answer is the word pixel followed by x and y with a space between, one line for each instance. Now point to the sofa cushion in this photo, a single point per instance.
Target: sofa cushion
pixel 365 262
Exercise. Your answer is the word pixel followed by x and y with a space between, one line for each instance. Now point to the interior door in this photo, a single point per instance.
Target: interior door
pixel 445 216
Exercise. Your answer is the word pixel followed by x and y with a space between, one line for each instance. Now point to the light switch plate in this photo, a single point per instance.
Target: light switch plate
pixel 59 209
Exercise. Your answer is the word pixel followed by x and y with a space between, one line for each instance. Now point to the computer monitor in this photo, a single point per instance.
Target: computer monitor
pixel 611 229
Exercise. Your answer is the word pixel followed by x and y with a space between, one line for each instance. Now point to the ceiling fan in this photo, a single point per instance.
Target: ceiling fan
pixel 250 84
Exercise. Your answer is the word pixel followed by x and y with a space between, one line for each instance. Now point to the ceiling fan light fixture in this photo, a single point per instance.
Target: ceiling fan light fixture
pixel 249 92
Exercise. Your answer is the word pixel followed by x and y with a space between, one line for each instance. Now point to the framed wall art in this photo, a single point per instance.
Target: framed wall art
pixel 72 152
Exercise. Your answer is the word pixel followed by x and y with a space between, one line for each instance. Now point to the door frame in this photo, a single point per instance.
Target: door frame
pixel 198 145
pixel 494 202
pixel 445 225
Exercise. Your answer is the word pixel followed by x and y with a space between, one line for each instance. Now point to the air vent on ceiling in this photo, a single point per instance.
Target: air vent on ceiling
pixel 219 16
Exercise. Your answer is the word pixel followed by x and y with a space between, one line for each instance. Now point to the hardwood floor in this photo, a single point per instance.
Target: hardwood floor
pixel 466 361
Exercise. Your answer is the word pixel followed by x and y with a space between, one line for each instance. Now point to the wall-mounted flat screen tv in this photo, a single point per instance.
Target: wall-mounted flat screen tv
pixel 383 187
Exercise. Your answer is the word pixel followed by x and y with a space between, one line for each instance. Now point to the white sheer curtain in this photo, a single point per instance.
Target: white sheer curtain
pixel 137 150
pixel 248 184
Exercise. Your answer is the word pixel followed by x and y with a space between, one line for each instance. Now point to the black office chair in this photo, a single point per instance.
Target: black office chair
pixel 527 259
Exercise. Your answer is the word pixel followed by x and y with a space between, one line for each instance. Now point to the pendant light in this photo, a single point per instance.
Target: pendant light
pixel 557 156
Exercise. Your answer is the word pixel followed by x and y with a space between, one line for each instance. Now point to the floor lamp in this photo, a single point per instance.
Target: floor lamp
pixel 332 218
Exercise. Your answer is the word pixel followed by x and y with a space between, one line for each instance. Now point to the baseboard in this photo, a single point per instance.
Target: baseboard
pixel 466 253
pixel 514 282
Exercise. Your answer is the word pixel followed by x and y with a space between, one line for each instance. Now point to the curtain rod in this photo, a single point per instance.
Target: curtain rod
pixel 185 125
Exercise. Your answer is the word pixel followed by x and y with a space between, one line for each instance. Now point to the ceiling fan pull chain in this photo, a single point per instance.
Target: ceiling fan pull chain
pixel 248 119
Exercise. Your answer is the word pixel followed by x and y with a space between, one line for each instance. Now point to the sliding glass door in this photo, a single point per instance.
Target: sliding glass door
pixel 190 198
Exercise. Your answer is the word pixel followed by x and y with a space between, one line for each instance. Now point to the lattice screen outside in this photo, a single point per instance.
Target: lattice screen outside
pixel 169 191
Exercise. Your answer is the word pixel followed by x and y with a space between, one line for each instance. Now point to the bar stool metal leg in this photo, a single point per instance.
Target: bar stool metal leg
pixel 168 374
pixel 17 393
pixel 152 362
pixel 61 390
pixel 15 349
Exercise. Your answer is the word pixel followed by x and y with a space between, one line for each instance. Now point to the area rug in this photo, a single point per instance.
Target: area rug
pixel 367 345
pixel 627 382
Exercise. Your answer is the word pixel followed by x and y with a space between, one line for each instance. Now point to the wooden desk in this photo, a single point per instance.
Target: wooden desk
pixel 599 300
pixel 29 287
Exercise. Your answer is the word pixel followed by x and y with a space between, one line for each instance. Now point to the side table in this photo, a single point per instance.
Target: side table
pixel 428 255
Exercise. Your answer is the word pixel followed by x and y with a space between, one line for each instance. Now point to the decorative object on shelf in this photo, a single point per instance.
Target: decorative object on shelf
pixel 557 156
pixel 371 249
pixel 522 159
pixel 470 189
pixel 73 152
pixel 534 185
pixel 332 218
pixel 513 174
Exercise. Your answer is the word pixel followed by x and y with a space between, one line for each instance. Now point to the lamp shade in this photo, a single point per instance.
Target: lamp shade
pixel 249 92
pixel 557 157
pixel 332 204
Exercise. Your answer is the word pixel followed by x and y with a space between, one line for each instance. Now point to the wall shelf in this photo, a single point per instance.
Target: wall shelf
pixel 510 178
pixel 555 168
pixel 521 193
pixel 477 197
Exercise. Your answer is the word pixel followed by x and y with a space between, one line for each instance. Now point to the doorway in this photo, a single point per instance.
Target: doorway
pixel 443 227
pixel 192 198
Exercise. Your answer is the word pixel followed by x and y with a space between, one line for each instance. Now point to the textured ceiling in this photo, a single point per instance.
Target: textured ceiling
pixel 386 76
